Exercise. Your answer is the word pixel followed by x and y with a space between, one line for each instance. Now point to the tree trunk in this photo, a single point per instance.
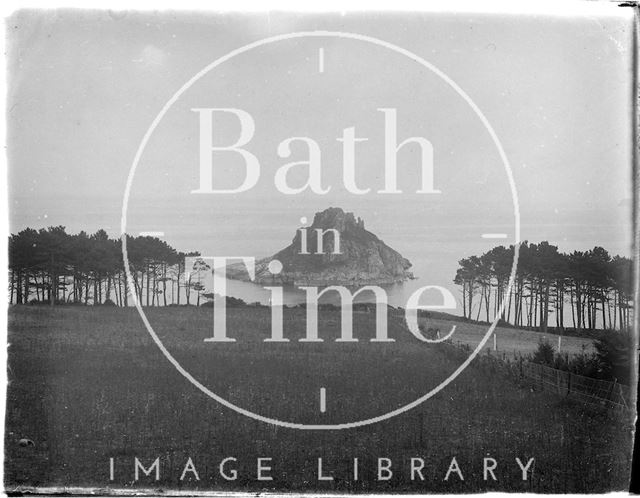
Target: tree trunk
pixel 178 285
pixel 578 304
pixel 95 290
pixel 187 289
pixel 125 290
pixel 464 299
pixel 148 276
pixel 164 283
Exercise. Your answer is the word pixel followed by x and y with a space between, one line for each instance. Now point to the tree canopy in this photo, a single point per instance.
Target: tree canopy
pixel 583 290
pixel 596 287
pixel 50 265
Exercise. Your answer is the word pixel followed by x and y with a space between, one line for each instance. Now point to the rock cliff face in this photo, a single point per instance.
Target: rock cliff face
pixel 363 258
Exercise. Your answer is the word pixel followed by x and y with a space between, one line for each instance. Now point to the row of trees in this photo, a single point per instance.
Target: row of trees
pixel 50 265
pixel 583 290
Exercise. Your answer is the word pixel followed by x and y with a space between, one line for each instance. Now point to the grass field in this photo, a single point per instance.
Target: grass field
pixel 513 342
pixel 88 384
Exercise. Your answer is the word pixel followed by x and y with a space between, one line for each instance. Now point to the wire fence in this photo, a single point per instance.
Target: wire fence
pixel 542 377
pixel 577 386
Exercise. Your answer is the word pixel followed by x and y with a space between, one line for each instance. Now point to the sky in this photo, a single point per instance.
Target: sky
pixel 84 87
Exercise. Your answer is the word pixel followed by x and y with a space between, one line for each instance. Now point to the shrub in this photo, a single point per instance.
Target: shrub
pixel 47 302
pixel 544 354
pixel 231 302
pixel 613 352
pixel 430 333
pixel 585 364
pixel 611 361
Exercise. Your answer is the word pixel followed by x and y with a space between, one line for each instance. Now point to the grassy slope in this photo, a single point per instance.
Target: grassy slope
pixel 88 384
pixel 512 341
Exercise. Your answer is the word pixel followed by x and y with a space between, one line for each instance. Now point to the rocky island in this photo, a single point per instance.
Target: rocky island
pixel 363 258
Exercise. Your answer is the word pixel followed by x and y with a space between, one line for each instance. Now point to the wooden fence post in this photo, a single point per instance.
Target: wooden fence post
pixel 613 386
pixel 621 394
pixel 559 343
pixel 541 381
pixel 521 367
